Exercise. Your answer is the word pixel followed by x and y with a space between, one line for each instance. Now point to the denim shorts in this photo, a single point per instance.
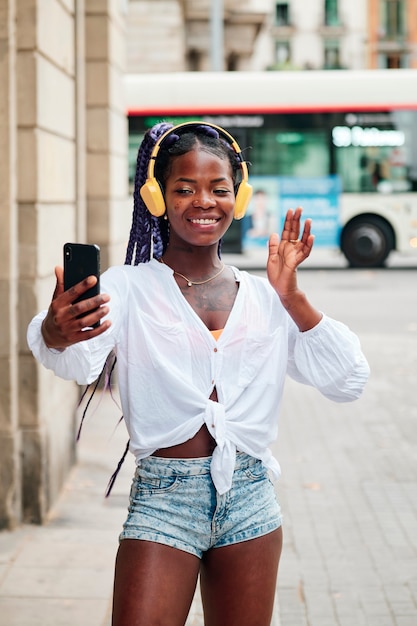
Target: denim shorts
pixel 174 502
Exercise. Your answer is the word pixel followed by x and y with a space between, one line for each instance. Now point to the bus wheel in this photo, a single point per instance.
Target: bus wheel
pixel 367 241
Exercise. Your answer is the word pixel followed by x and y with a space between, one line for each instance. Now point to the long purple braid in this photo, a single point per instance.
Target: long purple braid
pixel 146 229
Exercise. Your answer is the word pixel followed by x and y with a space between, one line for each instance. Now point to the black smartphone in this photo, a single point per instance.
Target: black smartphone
pixel 82 260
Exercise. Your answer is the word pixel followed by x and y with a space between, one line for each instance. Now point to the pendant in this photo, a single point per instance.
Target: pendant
pixel 190 284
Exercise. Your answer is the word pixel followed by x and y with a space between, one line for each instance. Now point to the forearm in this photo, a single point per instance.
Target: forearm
pixel 81 362
pixel 301 311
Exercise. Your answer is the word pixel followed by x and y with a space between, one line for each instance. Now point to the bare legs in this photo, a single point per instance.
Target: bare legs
pixel 238 582
pixel 155 584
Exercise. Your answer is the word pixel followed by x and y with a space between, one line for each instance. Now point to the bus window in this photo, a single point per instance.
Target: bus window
pixel 378 157
pixel 290 153
pixel 380 169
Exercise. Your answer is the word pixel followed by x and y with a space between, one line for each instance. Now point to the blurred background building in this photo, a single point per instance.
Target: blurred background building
pixel 266 35
pixel 64 166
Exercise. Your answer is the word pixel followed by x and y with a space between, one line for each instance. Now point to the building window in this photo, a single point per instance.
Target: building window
pixel 232 62
pixel 331 13
pixel 331 55
pixel 392 18
pixel 393 60
pixel 282 54
pixel 194 60
pixel 282 14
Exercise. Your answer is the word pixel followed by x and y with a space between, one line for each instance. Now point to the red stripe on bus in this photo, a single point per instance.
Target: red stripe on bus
pixel 326 108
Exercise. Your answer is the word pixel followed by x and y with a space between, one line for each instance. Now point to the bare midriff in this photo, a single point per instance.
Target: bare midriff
pixel 201 445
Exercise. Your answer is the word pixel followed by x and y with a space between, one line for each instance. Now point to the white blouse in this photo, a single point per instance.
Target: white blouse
pixel 169 363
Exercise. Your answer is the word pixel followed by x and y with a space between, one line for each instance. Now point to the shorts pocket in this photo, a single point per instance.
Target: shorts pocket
pixel 147 485
pixel 256 472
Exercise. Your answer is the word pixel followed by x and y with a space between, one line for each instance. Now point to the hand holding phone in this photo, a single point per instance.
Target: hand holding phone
pixel 80 261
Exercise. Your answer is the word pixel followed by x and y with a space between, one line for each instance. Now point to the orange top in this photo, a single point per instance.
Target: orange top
pixel 216 333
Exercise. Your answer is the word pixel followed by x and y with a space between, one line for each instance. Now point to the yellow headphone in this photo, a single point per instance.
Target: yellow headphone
pixel 151 191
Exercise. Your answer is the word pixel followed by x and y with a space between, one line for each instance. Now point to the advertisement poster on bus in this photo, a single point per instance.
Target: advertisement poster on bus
pixel 274 195
pixel 263 215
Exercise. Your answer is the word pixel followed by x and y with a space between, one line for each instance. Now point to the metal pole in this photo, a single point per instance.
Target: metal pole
pixel 216 35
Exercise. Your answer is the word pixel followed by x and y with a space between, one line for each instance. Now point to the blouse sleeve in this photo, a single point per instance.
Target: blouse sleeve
pixel 328 357
pixel 83 361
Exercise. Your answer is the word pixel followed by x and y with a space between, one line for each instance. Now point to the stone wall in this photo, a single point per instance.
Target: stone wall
pixel 63 140
pixel 10 483
pixel 156 36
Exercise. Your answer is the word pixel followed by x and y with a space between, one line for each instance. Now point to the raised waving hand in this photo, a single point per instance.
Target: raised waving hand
pixel 286 253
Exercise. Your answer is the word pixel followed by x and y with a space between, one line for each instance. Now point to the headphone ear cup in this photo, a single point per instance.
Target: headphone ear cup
pixel 151 194
pixel 243 196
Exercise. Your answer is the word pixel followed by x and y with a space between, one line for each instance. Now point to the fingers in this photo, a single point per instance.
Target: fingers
pixel 69 321
pixel 89 333
pixel 72 302
pixel 75 316
pixel 70 318
pixel 90 310
pixel 59 287
pixel 75 292
pixel 75 328
pixel 63 325
pixel 291 230
pixel 273 244
pixel 61 335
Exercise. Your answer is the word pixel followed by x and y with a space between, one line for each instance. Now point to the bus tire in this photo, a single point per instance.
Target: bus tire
pixel 367 240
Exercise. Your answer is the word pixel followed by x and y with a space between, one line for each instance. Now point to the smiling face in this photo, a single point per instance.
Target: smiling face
pixel 200 198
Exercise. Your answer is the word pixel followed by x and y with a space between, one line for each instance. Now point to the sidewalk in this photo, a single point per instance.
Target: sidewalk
pixel 61 574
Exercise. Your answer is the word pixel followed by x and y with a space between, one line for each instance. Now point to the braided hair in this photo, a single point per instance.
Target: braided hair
pixel 149 234
pixel 145 226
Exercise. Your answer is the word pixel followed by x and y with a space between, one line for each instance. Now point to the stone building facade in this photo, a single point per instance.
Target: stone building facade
pixel 63 177
pixel 392 34
pixel 174 35
pixel 349 34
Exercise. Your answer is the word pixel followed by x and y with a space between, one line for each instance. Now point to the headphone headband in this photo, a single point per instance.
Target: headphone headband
pixel 151 192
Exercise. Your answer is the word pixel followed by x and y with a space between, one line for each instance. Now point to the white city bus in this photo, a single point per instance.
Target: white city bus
pixel 358 127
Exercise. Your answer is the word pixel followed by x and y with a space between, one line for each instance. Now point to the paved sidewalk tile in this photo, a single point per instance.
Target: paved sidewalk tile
pixel 349 495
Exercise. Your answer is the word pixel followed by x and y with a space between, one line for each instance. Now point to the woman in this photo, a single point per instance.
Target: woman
pixel 203 350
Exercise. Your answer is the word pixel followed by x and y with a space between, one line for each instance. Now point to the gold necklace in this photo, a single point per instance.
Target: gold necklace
pixel 189 282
